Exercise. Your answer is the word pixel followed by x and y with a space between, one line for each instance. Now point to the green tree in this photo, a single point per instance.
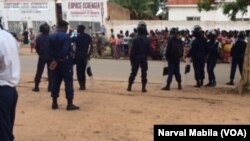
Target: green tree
pixel 139 9
pixel 231 9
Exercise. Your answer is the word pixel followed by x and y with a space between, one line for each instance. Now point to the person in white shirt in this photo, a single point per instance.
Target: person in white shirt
pixel 9 78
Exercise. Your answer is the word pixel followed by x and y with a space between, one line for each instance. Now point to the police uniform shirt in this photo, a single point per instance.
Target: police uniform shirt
pixel 238 49
pixel 140 47
pixel 83 41
pixel 59 45
pixel 9 60
pixel 42 43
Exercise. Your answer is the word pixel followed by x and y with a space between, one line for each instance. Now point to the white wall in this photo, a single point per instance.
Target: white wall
pixel 157 24
pixel 181 14
pixel 47 14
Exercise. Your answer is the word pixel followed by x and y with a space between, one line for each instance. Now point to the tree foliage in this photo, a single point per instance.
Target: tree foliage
pixel 229 8
pixel 139 9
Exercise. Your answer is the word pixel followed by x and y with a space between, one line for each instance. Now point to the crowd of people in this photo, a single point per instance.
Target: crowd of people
pixel 203 47
pixel 61 50
pixel 119 45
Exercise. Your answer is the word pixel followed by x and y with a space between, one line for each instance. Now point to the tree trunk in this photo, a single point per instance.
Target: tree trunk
pixel 244 85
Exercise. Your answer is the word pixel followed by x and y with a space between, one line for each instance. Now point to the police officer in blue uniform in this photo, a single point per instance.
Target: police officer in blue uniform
pixel 61 65
pixel 212 56
pixel 138 56
pixel 82 55
pixel 42 43
pixel 173 54
pixel 198 55
pixel 238 53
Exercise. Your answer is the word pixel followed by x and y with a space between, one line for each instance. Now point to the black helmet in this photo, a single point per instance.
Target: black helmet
pixel 44 28
pixel 142 27
pixel 242 35
pixel 212 34
pixel 197 30
pixel 174 31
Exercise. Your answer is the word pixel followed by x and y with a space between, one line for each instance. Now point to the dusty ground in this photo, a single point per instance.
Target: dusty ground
pixel 110 113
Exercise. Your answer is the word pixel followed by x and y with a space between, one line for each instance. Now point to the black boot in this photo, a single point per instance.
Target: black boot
pixel 144 88
pixel 36 88
pixel 201 83
pixel 167 88
pixel 214 83
pixel 231 82
pixel 129 87
pixel 209 84
pixel 198 85
pixel 71 106
pixel 82 86
pixel 54 104
pixel 179 86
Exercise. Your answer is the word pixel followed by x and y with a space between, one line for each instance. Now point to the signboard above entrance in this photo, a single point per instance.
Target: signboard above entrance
pixel 26 4
pixel 87 10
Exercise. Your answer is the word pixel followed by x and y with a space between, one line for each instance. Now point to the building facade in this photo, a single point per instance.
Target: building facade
pixel 20 15
pixel 91 13
pixel 186 10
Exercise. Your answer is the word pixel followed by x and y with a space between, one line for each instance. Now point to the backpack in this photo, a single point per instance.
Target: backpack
pixel 177 49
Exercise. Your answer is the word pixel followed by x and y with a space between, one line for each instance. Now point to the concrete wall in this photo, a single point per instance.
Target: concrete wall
pixel 181 14
pixel 116 12
pixel 118 25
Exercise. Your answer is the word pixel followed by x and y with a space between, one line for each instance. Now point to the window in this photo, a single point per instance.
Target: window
pixel 193 18
pixel 242 19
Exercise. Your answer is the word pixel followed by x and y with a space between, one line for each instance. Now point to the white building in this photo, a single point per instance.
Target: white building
pixel 18 15
pixel 91 13
pixel 186 10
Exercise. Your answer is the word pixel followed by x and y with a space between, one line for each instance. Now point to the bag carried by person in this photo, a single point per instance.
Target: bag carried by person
pixel 89 71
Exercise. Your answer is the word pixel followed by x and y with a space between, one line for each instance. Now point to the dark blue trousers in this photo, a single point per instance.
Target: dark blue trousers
pixel 63 71
pixel 143 64
pixel 235 62
pixel 199 66
pixel 210 70
pixel 174 69
pixel 80 70
pixel 40 67
pixel 8 101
